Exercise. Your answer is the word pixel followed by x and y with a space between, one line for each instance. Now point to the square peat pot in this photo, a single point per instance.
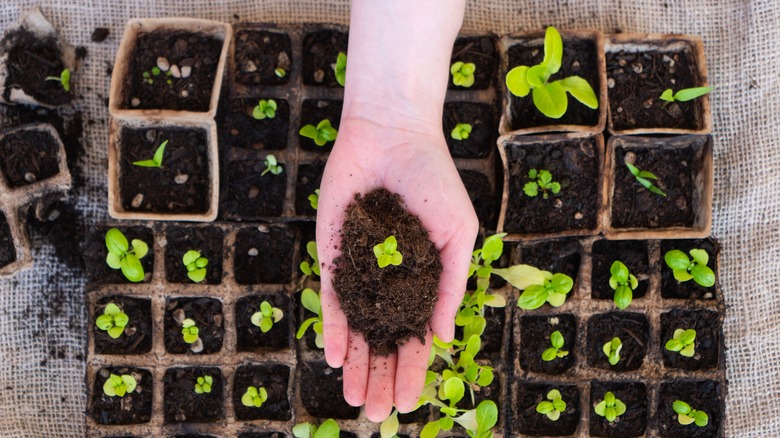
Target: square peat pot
pixel 583 55
pixel 684 170
pixel 702 395
pixel 169 67
pixel 182 404
pixel 527 422
pixel 136 338
pixel 15 249
pixel 632 423
pixel 259 55
pixel 321 47
pixel 184 188
pixel 639 68
pixel 276 379
pixel 574 161
pixel 133 408
pixel 481 51
pixel 207 240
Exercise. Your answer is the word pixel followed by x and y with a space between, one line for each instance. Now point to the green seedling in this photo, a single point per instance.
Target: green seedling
pixel 271 165
pixel 553 407
pixel 610 407
pixel 156 161
pixel 387 253
pixel 311 302
pixel 254 397
pixel 612 350
pixel 623 283
pixel 113 321
pixel 695 268
pixel 322 134
pixel 471 314
pixel 267 316
pixel 280 72
pixel 462 367
pixel 683 341
pixel 550 97
pixel 122 256
pixel 687 415
pixel 314 199
pixel 265 108
pixel 313 267
pixel 63 79
pixel 154 72
pixel 203 385
pixel 552 289
pixel 643 177
pixel 189 331
pixel 328 429
pixel 119 385
pixel 541 179
pixel 340 68
pixel 461 131
pixel 196 265
pixel 463 73
pixel 477 422
pixel 389 427
pixel 685 94
pixel 556 339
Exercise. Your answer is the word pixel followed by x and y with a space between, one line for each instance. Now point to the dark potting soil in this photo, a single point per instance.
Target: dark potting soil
pixel 192 435
pixel 137 337
pixel 633 422
pixel 181 49
pixel 99 34
pixel 206 240
pixel 250 337
pixel 632 253
pixel 133 408
pixel 309 180
pixel 186 156
pixel 7 247
pixel 481 195
pixel 30 61
pixel 322 392
pixel 241 130
pixel 575 165
pixel 320 51
pixel 633 330
pixel 275 378
pixel 392 304
pixel 481 51
pixel 250 195
pixel 707 343
pixel 419 416
pixel 535 334
pixel 27 157
pixel 61 225
pixel 639 80
pixel 208 317
pixel 633 206
pixel 94 251
pixel 183 405
pixel 704 395
pixel 557 256
pixel 579 59
pixel 527 421
pixel 258 54
pixel 670 288
pixel 262 435
pixel 313 112
pixel 264 256
pixel 483 119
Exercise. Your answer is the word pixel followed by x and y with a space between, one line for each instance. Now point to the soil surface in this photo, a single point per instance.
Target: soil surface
pixel 207 314
pixel 670 288
pixel 632 253
pixel 632 423
pixel 206 240
pixel 392 304
pixel 250 337
pixel 322 392
pixel 640 78
pixel 481 51
pixel 30 61
pixel 275 379
pixel 309 180
pixel 241 130
pixel 95 252
pixel 264 256
pixel 250 195
pixel 527 421
pixel 704 395
pixel 27 157
pixel 181 185
pixel 183 405
pixel 258 53
pixel 420 416
pixel 579 59
pixel 633 206
pixel 133 408
pixel 137 337
pixel 707 343
pixel 312 113
pixel 482 197
pixel 262 435
pixel 7 247
pixel 535 334
pixel 61 225
pixel 320 50
pixel 557 256
pixel 575 165
pixel 182 49
pixel 484 128
pixel 633 331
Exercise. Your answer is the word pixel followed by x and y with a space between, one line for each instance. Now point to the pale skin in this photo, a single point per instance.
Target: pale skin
pixel 391 136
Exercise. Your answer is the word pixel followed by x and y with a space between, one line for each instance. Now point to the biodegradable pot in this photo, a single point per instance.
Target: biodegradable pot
pixel 684 169
pixel 206 68
pixel 200 193
pixel 639 68
pixel 14 244
pixel 583 55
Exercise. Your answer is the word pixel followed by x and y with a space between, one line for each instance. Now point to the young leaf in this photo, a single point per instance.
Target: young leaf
pixel 516 81
pixel 132 268
pixel 677 259
pixel 691 93
pixel 116 242
pixel 581 90
pixel 667 95
pixel 311 301
pixel 553 50
pixel 556 339
pixel 550 100
pixel 703 275
pixel 389 427
pixel 487 415
pixel 532 298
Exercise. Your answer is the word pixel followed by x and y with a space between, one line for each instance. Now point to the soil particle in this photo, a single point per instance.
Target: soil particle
pixel 99 34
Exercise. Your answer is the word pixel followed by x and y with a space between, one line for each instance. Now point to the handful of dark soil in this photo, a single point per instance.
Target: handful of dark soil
pixel 387 305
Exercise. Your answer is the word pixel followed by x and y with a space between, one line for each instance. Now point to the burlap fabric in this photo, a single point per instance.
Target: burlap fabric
pixel 42 315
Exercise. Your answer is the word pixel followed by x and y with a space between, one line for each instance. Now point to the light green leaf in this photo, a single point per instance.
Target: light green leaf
pixel 302 330
pixel 308 131
pixel 158 154
pixel 115 332
pixel 549 354
pixel 116 242
pixel 600 408
pixel 129 382
pixel 132 269
pixel 620 407
pixel 553 50
pixel 492 248
pixel 674 345
pixel 140 248
pixel 533 298
pixel 487 415
pixel 190 257
pixel 516 81
pixel 688 350
pixel 303 430
pixel 581 90
pixel 550 100
pixel 531 189
pixel 700 256
pixel 453 390
pixel 561 283
pixel 667 95
pixel 468 420
pixel 311 301
pixel 556 339
pixel 691 93
pixel 521 276
pixel 682 275
pixel 681 407
pixel 619 271
pixel 113 261
pixel 431 430
pixel 677 260
pixel 537 76
pixel 700 418
pixel 389 427
pixel 266 325
pixel 703 275
pixel 555 299
pixel 685 419
pixel 197 275
pixel 623 297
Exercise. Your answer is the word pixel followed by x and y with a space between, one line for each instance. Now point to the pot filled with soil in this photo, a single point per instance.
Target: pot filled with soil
pixel 32 162
pixel 633 254
pixel 273 380
pixel 690 289
pixel 182 265
pixel 470 128
pixel 633 421
pixel 95 252
pixel 474 63
pixel 528 421
pixel 261 56
pixel 321 48
pixel 255 184
pixel 265 255
pixel 122 325
pixel 193 395
pixel 701 395
pixel 121 395
pixel 193 325
pixel 253 125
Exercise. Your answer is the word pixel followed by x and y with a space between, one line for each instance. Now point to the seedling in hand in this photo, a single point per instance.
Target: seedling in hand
pixel 189 331
pixel 553 407
pixel 685 94
pixel 121 256
pixel 696 268
pixel 683 341
pixel 314 199
pixel 271 165
pixel 553 290
pixel 610 407
pixel 328 429
pixel 550 97
pixel 612 350
pixel 461 131
pixel 203 385
pixel 113 321
pixel 196 265
pixel 340 68
pixel 687 415
pixel 156 161
pixel 643 177
pixel 267 316
pixel 63 79
pixel 322 134
pixel 387 253
pixel 311 302
pixel 119 385
pixel 541 179
pixel 313 267
pixel 556 339
pixel 463 73
pixel 254 397
pixel 265 108
pixel 623 283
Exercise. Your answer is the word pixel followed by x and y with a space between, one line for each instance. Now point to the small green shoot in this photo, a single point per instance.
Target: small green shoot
pixel 541 179
pixel 695 268
pixel 267 316
pixel 683 341
pixel 189 331
pixel 328 429
pixel 196 265
pixel 553 290
pixel 314 199
pixel 311 302
pixel 612 350
pixel 387 254
pixel 687 415
pixel 254 397
pixel 550 354
pixel 63 79
pixel 313 267
pixel 271 165
pixel 203 385
pixel 121 256
pixel 280 72
pixel 113 321
pixel 463 73
pixel 461 131
pixel 156 161
pixel 154 72
pixel 265 108
pixel 623 283
pixel 322 134
pixel 685 94
pixel 389 427
pixel 643 177
pixel 553 407
pixel 610 407
pixel 340 68
pixel 119 385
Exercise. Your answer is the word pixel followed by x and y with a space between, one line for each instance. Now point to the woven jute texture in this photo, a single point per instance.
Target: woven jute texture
pixel 42 315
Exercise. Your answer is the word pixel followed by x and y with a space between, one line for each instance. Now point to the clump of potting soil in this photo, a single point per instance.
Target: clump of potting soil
pixel 392 304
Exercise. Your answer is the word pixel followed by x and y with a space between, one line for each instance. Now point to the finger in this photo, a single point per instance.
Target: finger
pixel 356 370
pixel 410 373
pixel 381 385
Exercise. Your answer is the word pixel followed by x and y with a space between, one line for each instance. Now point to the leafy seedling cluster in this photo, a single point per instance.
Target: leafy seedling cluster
pixel 552 289
pixel 254 397
pixel 189 331
pixel 119 385
pixel 63 79
pixel 328 429
pixel 321 134
pixel 311 302
pixel 687 415
pixel 685 94
pixel 463 73
pixel 267 316
pixel 122 256
pixel 694 268
pixel 265 109
pixel 387 253
pixel 314 199
pixel 541 180
pixel 155 72
pixel 553 407
pixel 203 385
pixel 461 131
pixel 554 352
pixel 313 267
pixel 196 265
pixel 610 407
pixel 271 165
pixel 156 160
pixel 340 69
pixel 643 177
pixel 683 341
pixel 113 321
pixel 623 283
pixel 612 350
